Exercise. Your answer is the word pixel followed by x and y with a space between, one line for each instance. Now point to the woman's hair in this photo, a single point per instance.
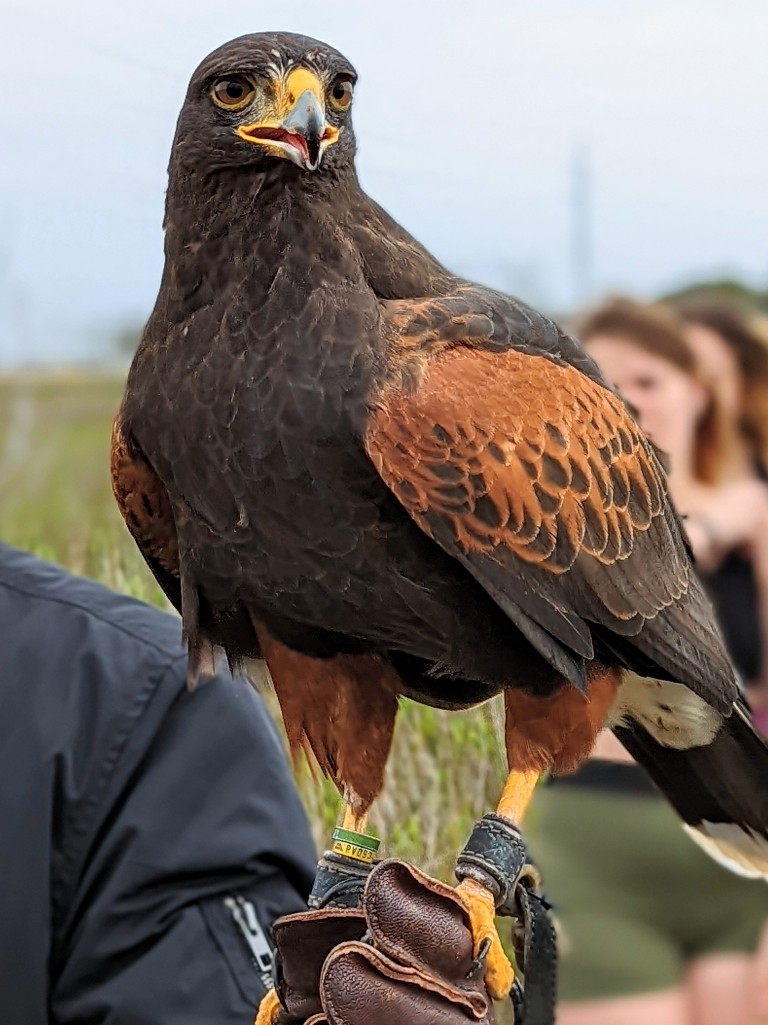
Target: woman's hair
pixel 751 352
pixel 652 328
pixel 658 331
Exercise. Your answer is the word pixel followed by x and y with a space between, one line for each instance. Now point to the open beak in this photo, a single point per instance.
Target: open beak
pixel 298 130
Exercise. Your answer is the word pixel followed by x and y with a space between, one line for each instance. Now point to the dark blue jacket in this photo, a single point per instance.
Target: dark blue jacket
pixel 148 836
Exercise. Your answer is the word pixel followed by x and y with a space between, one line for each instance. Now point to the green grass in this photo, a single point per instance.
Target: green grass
pixel 54 477
pixel 445 769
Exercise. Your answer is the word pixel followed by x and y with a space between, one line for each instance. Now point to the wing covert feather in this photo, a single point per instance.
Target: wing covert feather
pixel 537 479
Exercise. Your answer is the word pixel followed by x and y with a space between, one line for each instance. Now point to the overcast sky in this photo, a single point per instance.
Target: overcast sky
pixel 468 116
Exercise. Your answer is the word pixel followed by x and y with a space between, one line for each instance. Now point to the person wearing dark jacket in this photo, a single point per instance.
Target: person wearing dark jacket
pixel 149 836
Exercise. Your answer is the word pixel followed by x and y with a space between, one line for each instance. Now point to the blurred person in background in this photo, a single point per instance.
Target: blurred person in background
pixel 733 358
pixel 656 931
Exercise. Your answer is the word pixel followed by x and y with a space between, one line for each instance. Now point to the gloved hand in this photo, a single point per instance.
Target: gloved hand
pixel 415 968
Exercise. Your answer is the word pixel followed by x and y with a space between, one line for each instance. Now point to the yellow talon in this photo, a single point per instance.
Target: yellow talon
pixel 269 1008
pixel 481 908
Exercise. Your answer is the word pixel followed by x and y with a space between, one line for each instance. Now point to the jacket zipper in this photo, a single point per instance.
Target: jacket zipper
pixel 244 916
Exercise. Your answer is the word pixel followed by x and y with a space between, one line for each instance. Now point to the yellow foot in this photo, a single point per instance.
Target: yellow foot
pixel 481 908
pixel 269 1008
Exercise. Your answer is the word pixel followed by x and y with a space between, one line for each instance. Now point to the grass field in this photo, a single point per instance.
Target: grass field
pixel 446 768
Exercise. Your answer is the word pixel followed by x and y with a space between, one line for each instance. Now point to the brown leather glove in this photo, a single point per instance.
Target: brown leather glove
pixel 414 968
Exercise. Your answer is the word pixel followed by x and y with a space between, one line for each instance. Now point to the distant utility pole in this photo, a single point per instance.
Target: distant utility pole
pixel 581 225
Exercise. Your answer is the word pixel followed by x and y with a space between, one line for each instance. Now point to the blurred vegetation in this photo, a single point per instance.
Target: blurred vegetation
pixel 446 769
pixel 725 290
pixel 54 474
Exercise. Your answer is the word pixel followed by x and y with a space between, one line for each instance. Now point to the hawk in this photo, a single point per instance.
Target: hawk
pixel 385 480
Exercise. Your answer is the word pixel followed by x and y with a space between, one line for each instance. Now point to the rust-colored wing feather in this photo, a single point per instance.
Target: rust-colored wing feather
pixel 537 479
pixel 146 509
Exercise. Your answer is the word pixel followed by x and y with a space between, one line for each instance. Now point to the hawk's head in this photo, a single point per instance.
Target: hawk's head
pixel 267 97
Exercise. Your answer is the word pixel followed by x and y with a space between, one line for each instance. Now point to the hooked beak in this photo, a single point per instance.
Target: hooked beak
pixel 298 131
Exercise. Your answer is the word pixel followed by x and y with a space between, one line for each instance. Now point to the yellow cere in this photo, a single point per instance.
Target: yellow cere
pixel 293 85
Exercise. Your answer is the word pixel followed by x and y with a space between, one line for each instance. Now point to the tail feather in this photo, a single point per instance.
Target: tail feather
pixel 738 849
pixel 719 790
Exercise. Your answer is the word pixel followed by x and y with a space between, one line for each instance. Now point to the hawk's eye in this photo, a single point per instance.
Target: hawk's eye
pixel 233 92
pixel 340 93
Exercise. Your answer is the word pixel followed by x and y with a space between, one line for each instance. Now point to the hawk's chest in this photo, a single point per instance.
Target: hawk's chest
pixel 302 397
pixel 265 389
pixel 275 428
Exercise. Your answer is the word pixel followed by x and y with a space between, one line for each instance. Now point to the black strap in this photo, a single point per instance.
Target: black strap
pixel 535 944
pixel 496 857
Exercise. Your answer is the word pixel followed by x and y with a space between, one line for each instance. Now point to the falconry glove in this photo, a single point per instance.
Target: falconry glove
pixel 406 957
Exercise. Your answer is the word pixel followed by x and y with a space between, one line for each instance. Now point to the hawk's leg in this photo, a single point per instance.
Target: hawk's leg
pixel 351 842
pixel 517 795
pixel 480 903
pixel 352 820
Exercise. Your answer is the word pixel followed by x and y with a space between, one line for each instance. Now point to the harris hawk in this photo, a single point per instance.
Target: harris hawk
pixel 386 480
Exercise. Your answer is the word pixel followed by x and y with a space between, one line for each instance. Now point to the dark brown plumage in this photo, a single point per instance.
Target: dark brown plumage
pixel 387 480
